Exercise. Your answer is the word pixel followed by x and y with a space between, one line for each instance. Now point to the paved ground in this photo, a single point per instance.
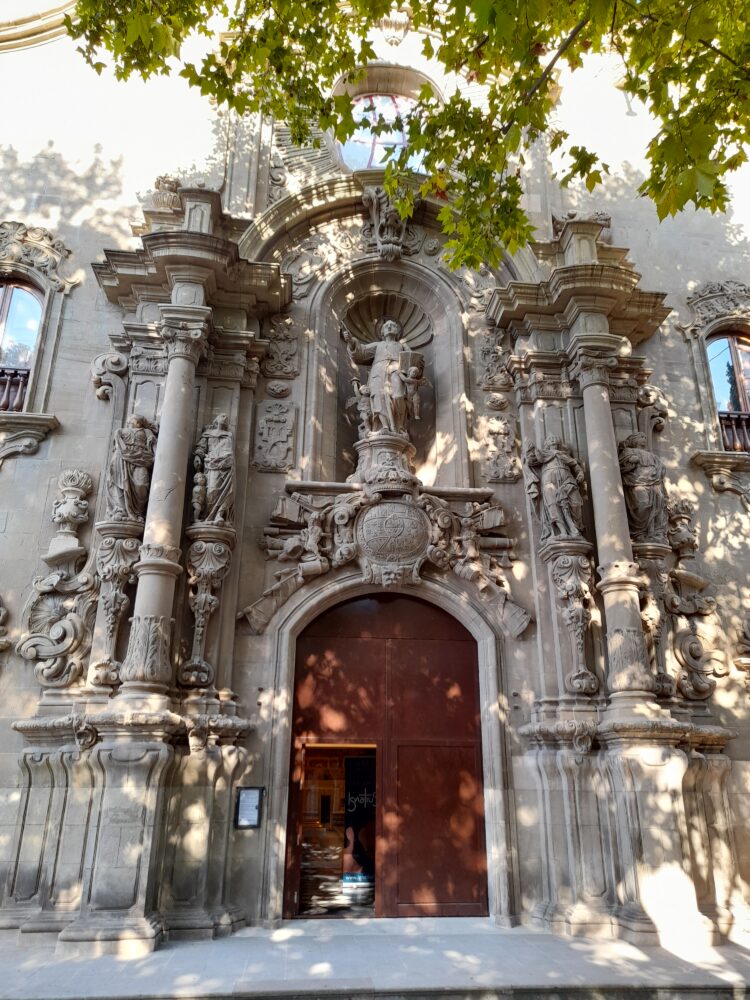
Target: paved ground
pixel 361 958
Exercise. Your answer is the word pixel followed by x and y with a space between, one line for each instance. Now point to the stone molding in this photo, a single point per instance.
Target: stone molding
pixel 37 249
pixel 723 470
pixel 22 433
pixel 716 302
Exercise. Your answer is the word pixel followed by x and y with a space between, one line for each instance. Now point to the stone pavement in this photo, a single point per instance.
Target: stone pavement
pixel 365 958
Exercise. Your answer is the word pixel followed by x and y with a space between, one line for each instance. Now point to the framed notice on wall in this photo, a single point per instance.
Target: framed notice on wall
pixel 248 808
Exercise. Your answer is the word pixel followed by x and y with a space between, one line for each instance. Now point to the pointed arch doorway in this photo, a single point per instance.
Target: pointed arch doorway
pixel 386 804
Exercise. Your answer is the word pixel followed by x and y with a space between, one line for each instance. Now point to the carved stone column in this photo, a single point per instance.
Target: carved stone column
pixel 630 682
pixel 146 671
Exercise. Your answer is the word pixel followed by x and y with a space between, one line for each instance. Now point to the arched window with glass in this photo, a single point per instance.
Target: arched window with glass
pixel 366 150
pixel 20 318
pixel 729 363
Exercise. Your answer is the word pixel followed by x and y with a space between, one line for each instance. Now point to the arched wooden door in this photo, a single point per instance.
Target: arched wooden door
pixel 386 693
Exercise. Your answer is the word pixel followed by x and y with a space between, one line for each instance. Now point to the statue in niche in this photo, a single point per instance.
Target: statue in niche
pixel 554 482
pixel 128 477
pixel 645 493
pixel 396 373
pixel 213 489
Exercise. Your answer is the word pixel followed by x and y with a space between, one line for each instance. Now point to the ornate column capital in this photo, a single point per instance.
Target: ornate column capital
pixel 185 340
pixel 184 331
pixel 592 367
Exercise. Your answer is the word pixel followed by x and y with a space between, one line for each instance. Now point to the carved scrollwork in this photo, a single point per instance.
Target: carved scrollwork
pixel 387 232
pixel 282 359
pixel 717 300
pixel 208 562
pixel 4 640
pixel 274 437
pixel 503 465
pixel 572 576
pixel 60 613
pixel 36 248
pixel 392 537
pixel 105 369
pixel 495 375
pixel 116 557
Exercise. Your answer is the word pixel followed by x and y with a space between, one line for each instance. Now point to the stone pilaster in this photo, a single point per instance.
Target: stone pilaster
pixel 146 671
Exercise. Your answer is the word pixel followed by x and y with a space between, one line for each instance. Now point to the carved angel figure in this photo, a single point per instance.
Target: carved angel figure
pixel 554 481
pixel 214 459
pixel 129 471
pixel 645 493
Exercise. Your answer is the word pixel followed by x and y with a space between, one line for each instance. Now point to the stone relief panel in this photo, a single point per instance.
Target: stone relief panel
pixel 274 436
pixel 503 464
pixel 282 360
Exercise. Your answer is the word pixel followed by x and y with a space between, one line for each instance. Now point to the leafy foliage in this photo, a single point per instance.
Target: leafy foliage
pixel 688 61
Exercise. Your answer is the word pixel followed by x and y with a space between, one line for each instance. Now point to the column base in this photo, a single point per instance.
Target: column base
pixel 130 937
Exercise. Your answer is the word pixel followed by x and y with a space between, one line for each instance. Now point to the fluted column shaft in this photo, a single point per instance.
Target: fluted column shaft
pixel 146 670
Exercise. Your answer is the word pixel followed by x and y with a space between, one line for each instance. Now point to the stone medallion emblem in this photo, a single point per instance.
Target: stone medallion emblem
pixel 393 532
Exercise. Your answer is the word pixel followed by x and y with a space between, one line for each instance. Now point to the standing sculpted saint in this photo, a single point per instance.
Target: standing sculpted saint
pixel 213 494
pixel 554 480
pixel 393 381
pixel 645 494
pixel 129 471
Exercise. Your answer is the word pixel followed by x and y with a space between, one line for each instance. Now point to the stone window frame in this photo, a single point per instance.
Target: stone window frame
pixel 33 256
pixel 718 307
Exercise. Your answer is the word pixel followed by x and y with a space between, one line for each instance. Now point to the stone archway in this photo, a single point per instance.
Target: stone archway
pixel 457 599
pixel 386 810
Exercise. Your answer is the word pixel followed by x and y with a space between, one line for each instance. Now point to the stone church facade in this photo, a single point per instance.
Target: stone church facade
pixel 279 487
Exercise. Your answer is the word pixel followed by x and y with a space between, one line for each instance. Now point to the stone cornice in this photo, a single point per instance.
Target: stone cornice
pixel 607 289
pixel 22 433
pixel 723 469
pixel 127 277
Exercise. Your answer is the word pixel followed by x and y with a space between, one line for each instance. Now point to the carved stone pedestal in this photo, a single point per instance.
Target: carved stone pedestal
pixel 131 761
pixel 385 463
pixel 195 881
pixel 577 894
pixel 570 579
pixel 656 896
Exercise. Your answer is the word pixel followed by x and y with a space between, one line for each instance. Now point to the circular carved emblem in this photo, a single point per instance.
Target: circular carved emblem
pixel 393 532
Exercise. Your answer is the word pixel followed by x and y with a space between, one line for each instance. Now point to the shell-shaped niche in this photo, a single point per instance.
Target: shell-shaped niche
pixel 365 317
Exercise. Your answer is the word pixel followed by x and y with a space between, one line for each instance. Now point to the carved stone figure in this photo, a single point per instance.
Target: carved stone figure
pixel 395 377
pixel 554 482
pixel 388 228
pixel 645 494
pixel 214 473
pixel 129 471
pixel 4 640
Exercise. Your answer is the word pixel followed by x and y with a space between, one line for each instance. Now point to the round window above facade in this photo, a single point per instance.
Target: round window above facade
pixel 365 150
